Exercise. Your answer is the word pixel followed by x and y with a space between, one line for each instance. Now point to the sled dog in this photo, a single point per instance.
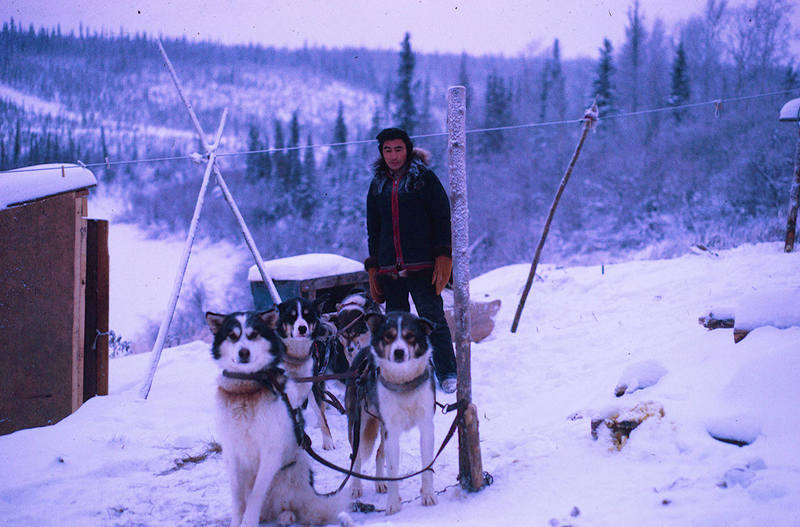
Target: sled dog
pixel 306 334
pixel 270 476
pixel 397 395
pixel 352 333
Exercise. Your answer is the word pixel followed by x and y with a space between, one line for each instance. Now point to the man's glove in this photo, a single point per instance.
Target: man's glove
pixel 442 268
pixel 375 289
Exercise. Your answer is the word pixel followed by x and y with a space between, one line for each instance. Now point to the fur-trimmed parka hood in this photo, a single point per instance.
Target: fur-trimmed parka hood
pixel 418 164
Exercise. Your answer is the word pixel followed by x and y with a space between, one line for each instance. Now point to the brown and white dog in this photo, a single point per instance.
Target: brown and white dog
pixel 303 331
pixel 352 332
pixel 270 476
pixel 397 396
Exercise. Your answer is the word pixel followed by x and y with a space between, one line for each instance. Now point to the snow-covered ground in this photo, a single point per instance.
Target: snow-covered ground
pixel 123 461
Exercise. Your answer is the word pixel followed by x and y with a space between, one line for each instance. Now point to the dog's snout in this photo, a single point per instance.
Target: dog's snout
pixel 244 355
pixel 399 355
pixel 302 330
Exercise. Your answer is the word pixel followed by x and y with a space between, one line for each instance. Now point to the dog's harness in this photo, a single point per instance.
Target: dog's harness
pixel 406 386
pixel 274 380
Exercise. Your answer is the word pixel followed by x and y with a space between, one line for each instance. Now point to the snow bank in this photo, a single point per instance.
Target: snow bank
pixel 123 461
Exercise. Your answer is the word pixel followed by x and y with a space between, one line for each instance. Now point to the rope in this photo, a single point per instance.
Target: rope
pixel 715 103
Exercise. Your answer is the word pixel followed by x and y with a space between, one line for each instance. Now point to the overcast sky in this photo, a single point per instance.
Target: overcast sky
pixel 475 26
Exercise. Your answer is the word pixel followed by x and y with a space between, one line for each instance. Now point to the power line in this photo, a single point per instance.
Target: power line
pixel 716 103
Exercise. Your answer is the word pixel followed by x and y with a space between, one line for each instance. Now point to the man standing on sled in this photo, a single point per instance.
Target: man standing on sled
pixel 408 230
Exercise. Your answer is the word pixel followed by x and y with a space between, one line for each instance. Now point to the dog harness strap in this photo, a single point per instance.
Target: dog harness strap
pixel 359 317
pixel 453 427
pixel 296 415
pixel 294 360
pixel 406 386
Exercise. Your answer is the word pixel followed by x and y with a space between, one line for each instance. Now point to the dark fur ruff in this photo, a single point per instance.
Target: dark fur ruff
pixel 417 162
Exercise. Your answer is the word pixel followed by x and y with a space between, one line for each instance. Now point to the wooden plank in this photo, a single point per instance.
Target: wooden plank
pixel 79 303
pixel 37 312
pixel 336 280
pixel 95 341
pixel 102 300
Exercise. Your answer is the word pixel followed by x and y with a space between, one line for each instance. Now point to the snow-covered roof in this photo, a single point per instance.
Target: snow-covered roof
pixel 39 181
pixel 306 266
pixel 790 111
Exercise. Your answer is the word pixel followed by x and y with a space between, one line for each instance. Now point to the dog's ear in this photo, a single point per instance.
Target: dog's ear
pixel 214 321
pixel 320 302
pixel 374 320
pixel 426 325
pixel 280 308
pixel 270 318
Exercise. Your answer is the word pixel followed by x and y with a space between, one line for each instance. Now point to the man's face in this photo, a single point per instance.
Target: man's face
pixel 394 153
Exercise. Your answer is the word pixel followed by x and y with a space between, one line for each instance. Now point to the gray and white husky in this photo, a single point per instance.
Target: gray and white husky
pixel 270 476
pixel 396 396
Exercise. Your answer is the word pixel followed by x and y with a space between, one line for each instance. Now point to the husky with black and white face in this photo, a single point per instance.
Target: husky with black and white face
pixel 402 398
pixel 350 318
pixel 270 476
pixel 302 330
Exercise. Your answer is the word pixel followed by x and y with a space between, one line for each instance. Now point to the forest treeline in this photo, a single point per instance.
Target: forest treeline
pixel 648 183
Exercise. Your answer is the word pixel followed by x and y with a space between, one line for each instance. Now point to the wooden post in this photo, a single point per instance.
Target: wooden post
pixel 469 454
pixel 794 202
pixel 211 165
pixel 187 250
pixel 248 238
pixel 589 118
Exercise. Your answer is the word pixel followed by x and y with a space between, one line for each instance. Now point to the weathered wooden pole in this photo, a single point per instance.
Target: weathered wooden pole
pixel 589 118
pixel 211 166
pixel 790 113
pixel 470 473
pixel 248 238
pixel 794 202
pixel 187 250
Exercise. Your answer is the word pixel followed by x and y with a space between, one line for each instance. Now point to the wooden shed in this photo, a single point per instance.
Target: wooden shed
pixel 53 295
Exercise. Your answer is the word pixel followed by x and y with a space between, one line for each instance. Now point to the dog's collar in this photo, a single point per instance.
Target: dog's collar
pixel 294 361
pixel 345 307
pixel 406 386
pixel 272 379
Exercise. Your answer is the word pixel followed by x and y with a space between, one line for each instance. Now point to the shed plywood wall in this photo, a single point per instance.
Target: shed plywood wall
pixel 42 274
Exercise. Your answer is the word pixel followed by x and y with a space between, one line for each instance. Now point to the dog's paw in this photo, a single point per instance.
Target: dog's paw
pixel 328 444
pixel 356 492
pixel 393 505
pixel 381 487
pixel 429 499
pixel 286 518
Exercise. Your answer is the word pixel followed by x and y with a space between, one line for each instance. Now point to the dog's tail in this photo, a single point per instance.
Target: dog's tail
pixel 294 486
pixel 346 521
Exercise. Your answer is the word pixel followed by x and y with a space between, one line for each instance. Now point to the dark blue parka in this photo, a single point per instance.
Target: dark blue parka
pixel 408 218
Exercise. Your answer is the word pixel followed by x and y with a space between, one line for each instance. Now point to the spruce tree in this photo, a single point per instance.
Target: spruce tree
pixel 498 112
pixel 680 90
pixel 633 55
pixel 463 80
pixel 279 161
pixel 558 95
pixel 603 84
pixel 406 113
pixel 293 153
pixel 338 154
pixel 17 152
pixel 305 187
pixel 309 163
pixel 252 168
